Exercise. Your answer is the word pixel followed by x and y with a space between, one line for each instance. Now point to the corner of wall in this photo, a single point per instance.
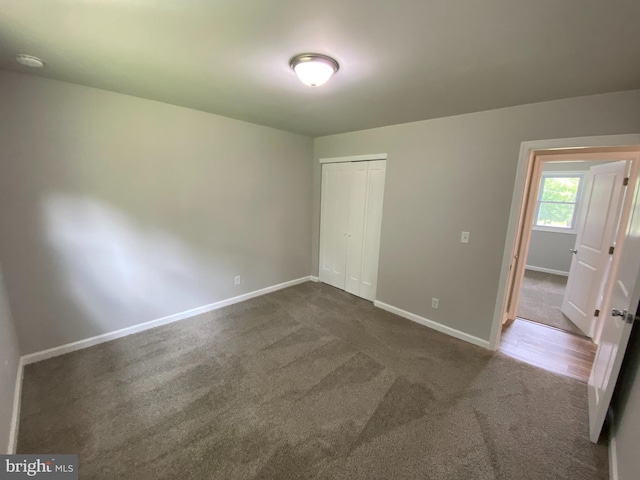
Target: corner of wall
pixel 10 379
pixel 15 412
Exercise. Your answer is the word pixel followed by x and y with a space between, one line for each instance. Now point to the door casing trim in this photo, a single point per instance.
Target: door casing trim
pixel 570 148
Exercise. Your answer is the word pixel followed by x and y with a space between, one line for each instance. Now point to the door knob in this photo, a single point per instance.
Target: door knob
pixel 573 250
pixel 626 316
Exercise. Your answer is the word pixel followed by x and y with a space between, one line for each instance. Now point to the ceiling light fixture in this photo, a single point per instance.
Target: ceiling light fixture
pixel 313 69
pixel 29 61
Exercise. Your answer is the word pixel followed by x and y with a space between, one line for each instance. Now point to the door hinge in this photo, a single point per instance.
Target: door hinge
pixel 596 313
pixel 611 249
pixel 625 182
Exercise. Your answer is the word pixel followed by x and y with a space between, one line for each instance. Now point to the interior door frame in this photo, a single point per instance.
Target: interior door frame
pixel 532 156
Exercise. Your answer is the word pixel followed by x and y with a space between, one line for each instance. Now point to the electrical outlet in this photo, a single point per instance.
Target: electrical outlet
pixel 435 302
pixel 464 238
pixel 238 280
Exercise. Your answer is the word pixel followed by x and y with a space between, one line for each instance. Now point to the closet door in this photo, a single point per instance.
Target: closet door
pixel 372 227
pixel 356 230
pixel 334 222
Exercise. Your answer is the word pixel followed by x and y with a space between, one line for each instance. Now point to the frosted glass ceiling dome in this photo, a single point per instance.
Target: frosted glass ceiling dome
pixel 313 69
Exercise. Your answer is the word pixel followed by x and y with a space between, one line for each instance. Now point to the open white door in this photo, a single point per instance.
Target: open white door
pixel 595 236
pixel 620 313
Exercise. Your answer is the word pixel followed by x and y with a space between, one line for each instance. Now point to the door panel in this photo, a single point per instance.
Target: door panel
pixel 373 223
pixel 596 233
pixel 355 232
pixel 334 220
pixel 601 197
pixel 616 330
pixel 585 277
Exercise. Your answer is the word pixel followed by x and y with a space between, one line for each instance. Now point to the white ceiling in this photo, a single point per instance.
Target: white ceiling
pixel 400 60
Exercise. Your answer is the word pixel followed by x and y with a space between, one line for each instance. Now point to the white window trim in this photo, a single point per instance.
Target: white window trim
pixel 578 203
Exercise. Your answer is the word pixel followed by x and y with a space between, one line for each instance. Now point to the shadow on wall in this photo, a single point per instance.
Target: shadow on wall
pixel 114 269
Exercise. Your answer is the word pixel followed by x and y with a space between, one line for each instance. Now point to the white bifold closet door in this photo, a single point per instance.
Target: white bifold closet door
pixel 351 215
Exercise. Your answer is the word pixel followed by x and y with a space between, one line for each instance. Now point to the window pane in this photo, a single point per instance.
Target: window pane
pixel 555 215
pixel 560 189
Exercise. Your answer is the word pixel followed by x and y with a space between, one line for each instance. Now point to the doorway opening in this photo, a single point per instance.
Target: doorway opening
pixel 568 229
pixel 561 205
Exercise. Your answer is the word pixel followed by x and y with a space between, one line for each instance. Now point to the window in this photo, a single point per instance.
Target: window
pixel 558 199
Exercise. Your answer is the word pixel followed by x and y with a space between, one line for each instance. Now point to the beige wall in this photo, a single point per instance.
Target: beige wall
pixel 9 358
pixel 550 250
pixel 453 174
pixel 116 210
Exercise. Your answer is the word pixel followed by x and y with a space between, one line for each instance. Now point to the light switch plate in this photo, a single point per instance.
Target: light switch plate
pixel 464 238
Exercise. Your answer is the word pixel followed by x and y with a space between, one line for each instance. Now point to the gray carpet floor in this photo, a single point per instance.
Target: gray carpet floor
pixel 541 297
pixel 306 382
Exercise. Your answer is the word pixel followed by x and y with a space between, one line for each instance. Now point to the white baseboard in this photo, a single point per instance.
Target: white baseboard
pixel 613 453
pixel 431 324
pixel 105 337
pixel 15 415
pixel 547 270
pixel 314 279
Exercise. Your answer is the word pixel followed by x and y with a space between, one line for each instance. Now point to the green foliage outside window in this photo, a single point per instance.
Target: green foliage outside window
pixel 557 201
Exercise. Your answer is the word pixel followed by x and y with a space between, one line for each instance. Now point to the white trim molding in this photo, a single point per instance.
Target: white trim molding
pixel 526 148
pixel 433 325
pixel 314 279
pixel 106 337
pixel 355 158
pixel 547 270
pixel 15 414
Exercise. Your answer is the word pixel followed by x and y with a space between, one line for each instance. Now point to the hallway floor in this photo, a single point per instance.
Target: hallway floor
pixel 541 297
pixel 548 348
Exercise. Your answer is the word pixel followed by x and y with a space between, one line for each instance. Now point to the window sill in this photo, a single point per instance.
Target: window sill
pixel 570 231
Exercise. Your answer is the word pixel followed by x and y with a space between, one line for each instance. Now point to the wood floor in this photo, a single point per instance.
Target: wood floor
pixel 548 348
